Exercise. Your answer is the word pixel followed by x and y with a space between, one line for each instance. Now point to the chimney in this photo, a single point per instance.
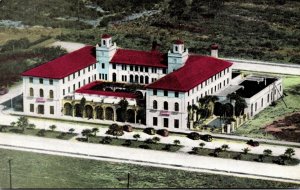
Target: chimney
pixel 154 45
pixel 214 50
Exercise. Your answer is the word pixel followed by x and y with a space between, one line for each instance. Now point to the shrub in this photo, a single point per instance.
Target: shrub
pixel 202 145
pixel 149 141
pixel 115 130
pixel 155 139
pixel 144 146
pixel 106 140
pixel 167 147
pixel 163 132
pixel 41 133
pixel 176 142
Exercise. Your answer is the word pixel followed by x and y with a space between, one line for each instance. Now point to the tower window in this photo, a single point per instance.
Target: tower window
pixel 103 66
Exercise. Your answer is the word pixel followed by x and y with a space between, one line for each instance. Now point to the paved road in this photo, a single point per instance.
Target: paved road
pixel 268 67
pixel 159 158
pixel 14 91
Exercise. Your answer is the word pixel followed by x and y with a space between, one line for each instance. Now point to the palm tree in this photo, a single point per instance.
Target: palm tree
pixel 202 145
pixel 71 130
pixel 22 123
pixel 86 133
pixel 136 136
pixel 95 130
pixel 155 139
pixel 289 152
pixel 52 127
pixel 176 142
pixel 246 150
pixel 225 147
pixel 267 152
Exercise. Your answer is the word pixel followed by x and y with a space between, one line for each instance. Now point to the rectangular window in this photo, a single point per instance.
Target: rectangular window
pixel 165 93
pixel 79 73
pixel 89 69
pixel 41 81
pixel 164 71
pixel 268 99
pixel 166 122
pixel 176 94
pixel 141 69
pixel 154 121
pixel 227 80
pixel 30 80
pixel 64 92
pixel 105 76
pixel 51 110
pixel 136 68
pixel 262 102
pixel 255 106
pixel 51 81
pixel 146 69
pixel 154 92
pixel 95 66
pixel 176 123
pixel 74 87
pixel 69 78
pixel 69 89
pixel 63 80
pixel 73 75
pixel 83 71
pixel 131 68
pixel 31 107
pixel 114 66
pixel 78 84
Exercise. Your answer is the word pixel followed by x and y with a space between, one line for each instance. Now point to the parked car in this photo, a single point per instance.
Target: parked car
pixel 150 131
pixel 207 138
pixel 252 143
pixel 3 91
pixel 127 128
pixel 194 136
pixel 163 132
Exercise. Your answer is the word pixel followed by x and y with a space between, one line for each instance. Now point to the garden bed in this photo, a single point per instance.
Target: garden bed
pixel 38 133
pixel 244 157
pixel 132 143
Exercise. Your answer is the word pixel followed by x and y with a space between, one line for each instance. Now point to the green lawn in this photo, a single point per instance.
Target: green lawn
pixel 38 133
pixel 136 144
pixel 253 128
pixel 32 170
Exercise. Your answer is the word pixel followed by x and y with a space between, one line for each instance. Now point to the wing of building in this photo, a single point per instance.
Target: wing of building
pixel 159 87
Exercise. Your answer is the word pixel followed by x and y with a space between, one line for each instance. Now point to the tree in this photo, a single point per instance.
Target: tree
pixel 86 133
pixel 155 139
pixel 289 152
pixel 217 152
pixel 95 130
pixel 202 145
pixel 176 142
pixel 13 124
pixel 246 150
pixel 31 126
pixel 195 149
pixel 52 127
pixel 136 136
pixel 71 130
pixel 115 130
pixel 267 152
pixel 82 105
pixel 225 147
pixel 177 8
pixel 123 106
pixel 22 123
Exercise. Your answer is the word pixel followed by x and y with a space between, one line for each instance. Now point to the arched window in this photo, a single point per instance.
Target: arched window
pixel 51 95
pixel 142 79
pixel 41 93
pixel 166 106
pixel 146 80
pixel 154 104
pixel 176 106
pixel 131 78
pixel 31 93
pixel 136 79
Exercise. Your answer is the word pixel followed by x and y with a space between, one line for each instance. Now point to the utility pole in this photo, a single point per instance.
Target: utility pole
pixel 10 180
pixel 128 178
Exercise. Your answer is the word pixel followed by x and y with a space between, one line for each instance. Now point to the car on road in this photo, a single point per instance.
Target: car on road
pixel 207 138
pixel 252 143
pixel 3 91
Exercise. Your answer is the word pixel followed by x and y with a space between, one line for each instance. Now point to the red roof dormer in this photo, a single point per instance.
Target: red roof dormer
pixel 178 42
pixel 214 47
pixel 105 36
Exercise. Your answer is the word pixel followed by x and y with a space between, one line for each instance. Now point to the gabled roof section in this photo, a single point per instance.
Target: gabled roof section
pixel 196 70
pixel 141 58
pixel 65 65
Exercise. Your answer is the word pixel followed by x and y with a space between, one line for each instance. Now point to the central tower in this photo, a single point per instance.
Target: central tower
pixel 177 56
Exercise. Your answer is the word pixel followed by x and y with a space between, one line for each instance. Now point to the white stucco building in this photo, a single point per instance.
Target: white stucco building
pixel 105 74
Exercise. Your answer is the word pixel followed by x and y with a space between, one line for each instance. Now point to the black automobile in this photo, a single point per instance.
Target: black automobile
pixel 207 138
pixel 252 143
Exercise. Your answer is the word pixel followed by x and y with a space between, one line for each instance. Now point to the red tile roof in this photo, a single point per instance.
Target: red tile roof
pixel 214 46
pixel 87 89
pixel 179 42
pixel 142 58
pixel 196 70
pixel 104 36
pixel 65 65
